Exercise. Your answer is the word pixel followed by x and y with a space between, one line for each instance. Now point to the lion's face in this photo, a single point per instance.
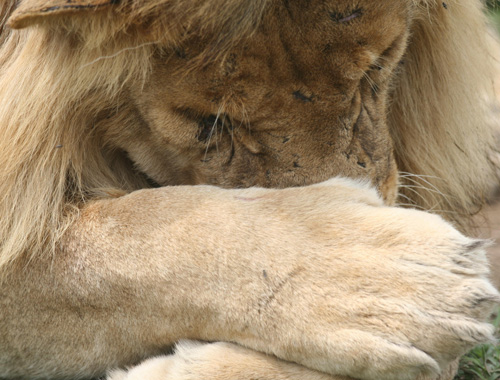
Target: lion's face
pixel 303 99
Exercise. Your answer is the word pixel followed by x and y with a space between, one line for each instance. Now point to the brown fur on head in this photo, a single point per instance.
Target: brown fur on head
pixel 97 95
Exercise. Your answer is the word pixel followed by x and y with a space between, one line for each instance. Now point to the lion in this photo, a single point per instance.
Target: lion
pixel 281 186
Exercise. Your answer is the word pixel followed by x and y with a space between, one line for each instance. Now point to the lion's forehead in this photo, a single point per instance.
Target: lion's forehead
pixel 316 51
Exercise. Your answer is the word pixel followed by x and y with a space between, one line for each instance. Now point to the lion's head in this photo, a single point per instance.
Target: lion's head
pixel 300 100
pixel 104 94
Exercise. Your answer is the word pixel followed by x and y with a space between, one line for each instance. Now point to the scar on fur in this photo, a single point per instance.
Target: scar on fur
pixel 341 18
pixel 274 289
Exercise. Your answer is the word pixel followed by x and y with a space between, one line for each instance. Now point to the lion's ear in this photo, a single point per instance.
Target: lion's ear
pixel 31 12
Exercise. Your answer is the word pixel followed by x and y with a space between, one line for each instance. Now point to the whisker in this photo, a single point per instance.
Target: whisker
pixel 370 81
pixel 408 174
pixel 408 199
pixel 416 193
pixel 410 205
pixel 419 186
pixel 432 188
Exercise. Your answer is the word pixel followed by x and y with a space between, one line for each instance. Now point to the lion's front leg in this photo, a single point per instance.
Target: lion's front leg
pixel 324 276
pixel 345 285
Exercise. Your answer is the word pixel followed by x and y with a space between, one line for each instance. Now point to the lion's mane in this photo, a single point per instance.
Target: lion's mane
pixel 57 83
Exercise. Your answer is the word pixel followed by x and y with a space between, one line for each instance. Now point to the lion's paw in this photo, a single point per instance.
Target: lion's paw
pixel 384 293
pixel 364 355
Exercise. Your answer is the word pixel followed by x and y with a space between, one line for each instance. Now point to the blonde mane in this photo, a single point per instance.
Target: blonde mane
pixel 440 118
pixel 57 85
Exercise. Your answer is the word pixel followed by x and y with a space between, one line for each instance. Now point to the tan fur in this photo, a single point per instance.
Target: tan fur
pixel 280 276
pixel 439 118
pixel 100 100
pixel 193 360
pixel 224 361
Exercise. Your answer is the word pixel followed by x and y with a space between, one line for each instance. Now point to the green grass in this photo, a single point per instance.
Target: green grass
pixel 493 12
pixel 494 17
pixel 483 362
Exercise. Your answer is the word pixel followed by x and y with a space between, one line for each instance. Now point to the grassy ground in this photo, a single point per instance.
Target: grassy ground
pixel 495 18
pixel 483 362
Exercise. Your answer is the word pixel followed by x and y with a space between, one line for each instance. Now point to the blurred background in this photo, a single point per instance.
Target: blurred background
pixel 493 11
pixel 483 362
pixel 490 223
